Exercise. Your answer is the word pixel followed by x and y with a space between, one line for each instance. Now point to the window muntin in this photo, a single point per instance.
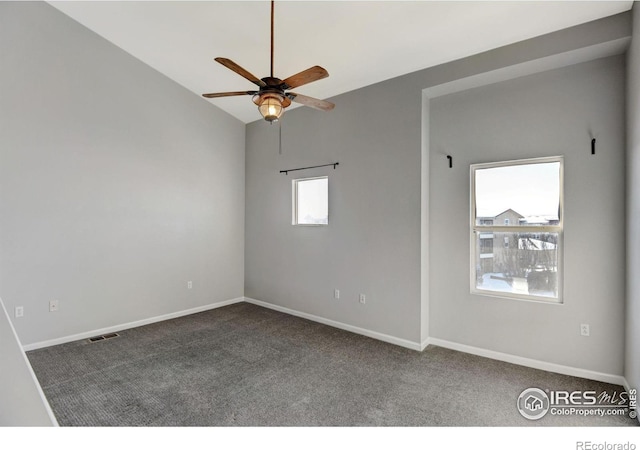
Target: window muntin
pixel 311 201
pixel 518 204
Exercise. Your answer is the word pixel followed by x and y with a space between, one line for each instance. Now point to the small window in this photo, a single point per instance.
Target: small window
pixel 311 201
pixel 519 203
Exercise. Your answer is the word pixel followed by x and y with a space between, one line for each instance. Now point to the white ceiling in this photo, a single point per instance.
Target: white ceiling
pixel 358 42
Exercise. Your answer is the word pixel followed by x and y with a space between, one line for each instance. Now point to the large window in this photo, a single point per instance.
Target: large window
pixel 516 229
pixel 311 201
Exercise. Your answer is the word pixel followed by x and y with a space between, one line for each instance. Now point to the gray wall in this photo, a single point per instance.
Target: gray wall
pixel 23 402
pixel 373 242
pixel 117 186
pixel 552 113
pixel 370 243
pixel 632 359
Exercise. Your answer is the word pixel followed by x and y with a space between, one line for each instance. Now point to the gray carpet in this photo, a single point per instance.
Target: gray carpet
pixel 243 365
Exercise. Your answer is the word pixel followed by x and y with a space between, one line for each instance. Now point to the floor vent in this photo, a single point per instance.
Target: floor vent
pixel 103 337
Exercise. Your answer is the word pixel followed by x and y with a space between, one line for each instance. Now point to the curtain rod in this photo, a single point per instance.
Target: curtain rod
pixel 311 167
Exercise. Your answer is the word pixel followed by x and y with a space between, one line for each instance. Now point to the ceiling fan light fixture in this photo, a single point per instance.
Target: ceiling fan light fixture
pixel 272 98
pixel 270 106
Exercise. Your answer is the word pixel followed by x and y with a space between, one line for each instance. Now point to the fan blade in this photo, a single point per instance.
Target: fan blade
pixel 322 105
pixel 240 71
pixel 229 94
pixel 314 73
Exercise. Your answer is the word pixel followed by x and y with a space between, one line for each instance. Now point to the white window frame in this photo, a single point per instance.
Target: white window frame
pixel 559 229
pixel 294 200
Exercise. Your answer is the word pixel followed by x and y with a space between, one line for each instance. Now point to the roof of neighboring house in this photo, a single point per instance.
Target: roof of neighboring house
pixel 512 212
pixel 529 220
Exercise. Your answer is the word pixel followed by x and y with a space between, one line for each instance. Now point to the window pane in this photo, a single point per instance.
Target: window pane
pixel 518 263
pixel 312 201
pixel 518 195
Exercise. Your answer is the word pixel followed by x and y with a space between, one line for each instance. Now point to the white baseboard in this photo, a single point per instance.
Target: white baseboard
pixel 627 387
pixel 27 364
pixel 533 363
pixel 513 359
pixel 343 326
pixel 124 326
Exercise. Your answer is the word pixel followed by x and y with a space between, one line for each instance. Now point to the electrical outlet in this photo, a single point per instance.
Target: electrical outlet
pixel 336 294
pixel 54 305
pixel 19 311
pixel 363 299
pixel 584 329
pixel 189 284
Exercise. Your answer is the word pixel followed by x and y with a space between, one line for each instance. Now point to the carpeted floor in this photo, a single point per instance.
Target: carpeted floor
pixel 243 365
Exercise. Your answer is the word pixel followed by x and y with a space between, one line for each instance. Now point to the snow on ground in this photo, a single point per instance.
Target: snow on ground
pixel 493 282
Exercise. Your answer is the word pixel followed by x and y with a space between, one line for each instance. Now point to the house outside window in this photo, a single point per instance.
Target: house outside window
pixel 523 226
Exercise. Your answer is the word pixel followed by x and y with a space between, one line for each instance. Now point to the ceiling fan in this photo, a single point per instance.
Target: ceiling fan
pixel 273 95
